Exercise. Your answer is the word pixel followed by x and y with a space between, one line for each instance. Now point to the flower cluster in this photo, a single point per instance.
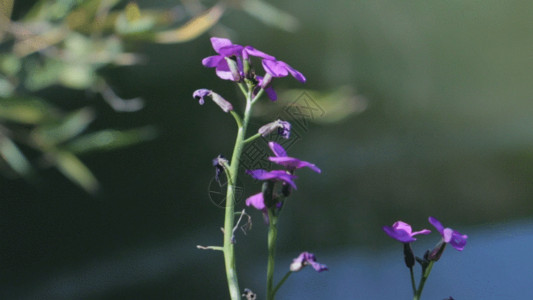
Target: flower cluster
pixel 233 62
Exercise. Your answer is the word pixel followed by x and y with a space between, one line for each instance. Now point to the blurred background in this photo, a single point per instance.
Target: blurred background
pixel 411 109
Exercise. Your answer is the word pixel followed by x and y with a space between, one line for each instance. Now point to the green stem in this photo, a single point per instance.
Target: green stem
pixel 413 283
pixel 423 280
pixel 229 222
pixel 282 281
pixel 272 235
pixel 252 138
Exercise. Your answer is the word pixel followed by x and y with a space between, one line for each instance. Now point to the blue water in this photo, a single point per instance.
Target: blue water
pixel 496 264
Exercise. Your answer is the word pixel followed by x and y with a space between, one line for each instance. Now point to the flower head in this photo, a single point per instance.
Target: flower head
pixel 450 236
pixel 221 102
pixel 288 162
pixel 403 232
pixel 283 128
pixel 304 259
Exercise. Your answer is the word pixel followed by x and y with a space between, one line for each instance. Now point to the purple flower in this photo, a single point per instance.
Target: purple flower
pixel 449 236
pixel 221 102
pixel 290 163
pixel 278 68
pixel 283 128
pixel 276 175
pixel 304 259
pixel 225 48
pixel 403 232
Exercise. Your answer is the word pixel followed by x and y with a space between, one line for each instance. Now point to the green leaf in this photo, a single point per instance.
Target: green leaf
pixel 109 139
pixel 270 15
pixel 69 127
pixel 12 155
pixel 26 110
pixel 68 164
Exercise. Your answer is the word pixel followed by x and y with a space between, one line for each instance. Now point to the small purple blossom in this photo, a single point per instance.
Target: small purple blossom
pixel 276 175
pixel 290 163
pixel 403 232
pixel 283 128
pixel 304 259
pixel 450 236
pixel 221 102
pixel 278 68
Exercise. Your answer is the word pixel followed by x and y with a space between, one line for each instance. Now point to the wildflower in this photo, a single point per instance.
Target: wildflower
pixel 304 259
pixel 226 49
pixel 450 236
pixel 403 232
pixel 264 83
pixel 288 162
pixel 221 102
pixel 283 128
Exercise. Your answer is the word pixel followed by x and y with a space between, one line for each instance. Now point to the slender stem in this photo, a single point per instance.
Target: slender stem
pixel 423 280
pixel 282 281
pixel 229 222
pixel 272 235
pixel 252 138
pixel 413 283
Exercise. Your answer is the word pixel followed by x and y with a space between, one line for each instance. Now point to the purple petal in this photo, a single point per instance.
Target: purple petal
pixel 437 224
pixel 296 74
pixel 277 149
pixel 256 201
pixel 400 235
pixel 458 240
pixel 251 51
pixel 275 68
pixel 292 163
pixel 231 50
pixel 278 175
pixel 218 43
pixel 212 61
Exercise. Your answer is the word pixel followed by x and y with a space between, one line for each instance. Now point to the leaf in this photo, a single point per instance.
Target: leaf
pixel 193 28
pixel 12 155
pixel 26 110
pixel 68 164
pixel 109 139
pixel 270 15
pixel 69 127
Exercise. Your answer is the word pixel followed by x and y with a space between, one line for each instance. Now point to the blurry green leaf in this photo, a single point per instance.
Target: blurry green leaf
pixel 270 15
pixel 26 110
pixel 75 170
pixel 193 28
pixel 110 139
pixel 69 127
pixel 142 24
pixel 36 42
pixel 14 157
pixel 77 76
pixel 337 104
pixel 133 13
pixel 6 88
pixel 9 64
pixel 41 76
